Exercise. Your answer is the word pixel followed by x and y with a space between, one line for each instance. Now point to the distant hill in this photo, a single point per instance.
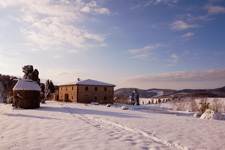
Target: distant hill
pixel 149 93
pixel 218 92
pixel 126 92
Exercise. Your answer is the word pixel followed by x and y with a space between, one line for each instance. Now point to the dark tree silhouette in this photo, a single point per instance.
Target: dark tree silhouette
pixel 7 83
pixel 31 73
pixel 49 89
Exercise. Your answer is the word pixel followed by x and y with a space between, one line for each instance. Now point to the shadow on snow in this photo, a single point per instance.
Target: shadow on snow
pixel 80 111
pixel 29 116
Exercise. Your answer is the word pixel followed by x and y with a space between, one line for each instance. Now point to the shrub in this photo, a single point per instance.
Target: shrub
pixel 216 106
pixel 204 105
pixel 194 105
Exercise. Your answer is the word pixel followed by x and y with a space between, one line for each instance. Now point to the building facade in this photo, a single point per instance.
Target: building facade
pixel 87 91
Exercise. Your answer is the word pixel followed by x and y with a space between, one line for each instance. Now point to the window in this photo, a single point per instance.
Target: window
pixel 72 97
pixel 105 98
pixel 72 88
pixel 96 88
pixel 66 89
pixel 105 89
pixel 86 88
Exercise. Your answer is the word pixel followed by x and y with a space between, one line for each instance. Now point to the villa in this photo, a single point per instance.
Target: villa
pixel 86 91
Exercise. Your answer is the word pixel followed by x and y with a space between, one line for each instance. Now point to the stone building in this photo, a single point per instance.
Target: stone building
pixel 86 91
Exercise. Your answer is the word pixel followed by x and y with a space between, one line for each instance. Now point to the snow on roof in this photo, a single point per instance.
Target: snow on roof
pixel 93 82
pixel 67 84
pixel 26 85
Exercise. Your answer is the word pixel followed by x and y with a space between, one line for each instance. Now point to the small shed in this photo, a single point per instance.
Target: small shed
pixel 26 94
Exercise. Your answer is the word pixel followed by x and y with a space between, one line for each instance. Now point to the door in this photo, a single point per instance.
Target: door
pixel 66 98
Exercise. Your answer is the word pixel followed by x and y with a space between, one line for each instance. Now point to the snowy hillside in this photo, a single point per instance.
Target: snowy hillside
pixel 126 92
pixel 77 126
pixel 218 92
pixel 158 92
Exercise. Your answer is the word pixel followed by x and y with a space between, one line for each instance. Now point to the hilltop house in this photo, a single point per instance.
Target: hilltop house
pixel 86 91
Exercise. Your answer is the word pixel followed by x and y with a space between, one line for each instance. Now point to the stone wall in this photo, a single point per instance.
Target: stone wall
pixel 68 93
pixel 100 94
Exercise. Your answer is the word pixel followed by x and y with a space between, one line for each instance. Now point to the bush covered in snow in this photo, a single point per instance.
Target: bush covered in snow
pixel 197 115
pixel 189 104
pixel 199 104
pixel 124 107
pixel 204 105
pixel 210 114
pixel 108 105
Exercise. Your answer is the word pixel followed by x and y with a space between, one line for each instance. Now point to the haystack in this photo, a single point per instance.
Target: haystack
pixel 26 94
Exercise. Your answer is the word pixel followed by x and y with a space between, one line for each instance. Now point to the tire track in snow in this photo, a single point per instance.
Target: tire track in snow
pixel 102 123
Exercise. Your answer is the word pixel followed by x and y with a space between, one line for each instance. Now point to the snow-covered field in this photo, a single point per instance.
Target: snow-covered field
pixel 69 126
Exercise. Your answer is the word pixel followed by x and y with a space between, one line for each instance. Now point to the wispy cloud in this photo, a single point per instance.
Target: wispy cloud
pixel 144 52
pixel 63 75
pixel 157 2
pixel 93 7
pixel 215 74
pixel 173 59
pixel 189 21
pixel 215 9
pixel 181 79
pixel 179 25
pixel 49 24
pixel 147 3
pixel 188 35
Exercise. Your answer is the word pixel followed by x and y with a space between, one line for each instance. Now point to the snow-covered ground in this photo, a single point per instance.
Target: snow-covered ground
pixel 70 126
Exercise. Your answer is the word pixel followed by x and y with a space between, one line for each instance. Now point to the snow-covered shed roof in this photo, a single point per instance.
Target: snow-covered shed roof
pixel 26 85
pixel 93 82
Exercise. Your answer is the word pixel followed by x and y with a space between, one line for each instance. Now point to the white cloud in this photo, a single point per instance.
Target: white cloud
pixel 188 35
pixel 56 24
pixel 181 79
pixel 64 76
pixel 215 74
pixel 165 2
pixel 93 7
pixel 146 3
pixel 182 25
pixel 173 59
pixel 57 56
pixel 216 9
pixel 144 52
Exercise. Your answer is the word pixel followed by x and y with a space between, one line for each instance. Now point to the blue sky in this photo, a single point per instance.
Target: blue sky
pixel 133 43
